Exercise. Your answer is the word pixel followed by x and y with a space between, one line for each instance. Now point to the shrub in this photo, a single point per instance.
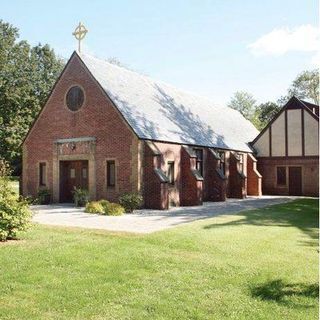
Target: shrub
pixel 15 214
pixel 104 207
pixel 44 196
pixel 80 197
pixel 94 207
pixel 30 200
pixel 114 209
pixel 104 204
pixel 130 201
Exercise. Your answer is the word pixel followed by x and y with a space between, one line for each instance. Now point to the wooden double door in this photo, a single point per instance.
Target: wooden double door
pixel 72 174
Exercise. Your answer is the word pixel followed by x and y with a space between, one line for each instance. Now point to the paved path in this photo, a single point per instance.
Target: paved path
pixel 146 221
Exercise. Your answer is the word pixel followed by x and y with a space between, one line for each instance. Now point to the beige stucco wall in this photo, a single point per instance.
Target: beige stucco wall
pixel 294 133
pixel 311 135
pixel 262 145
pixel 278 136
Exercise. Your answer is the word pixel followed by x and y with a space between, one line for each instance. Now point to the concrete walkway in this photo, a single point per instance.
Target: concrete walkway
pixel 146 221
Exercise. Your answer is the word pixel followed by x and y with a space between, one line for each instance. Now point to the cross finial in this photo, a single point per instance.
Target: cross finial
pixel 79 33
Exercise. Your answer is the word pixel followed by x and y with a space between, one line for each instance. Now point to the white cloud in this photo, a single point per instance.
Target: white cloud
pixel 282 40
pixel 315 60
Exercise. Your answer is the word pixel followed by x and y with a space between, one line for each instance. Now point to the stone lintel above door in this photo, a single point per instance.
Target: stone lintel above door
pixel 73 146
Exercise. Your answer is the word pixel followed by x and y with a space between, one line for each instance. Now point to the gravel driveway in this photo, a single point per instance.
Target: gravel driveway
pixel 146 221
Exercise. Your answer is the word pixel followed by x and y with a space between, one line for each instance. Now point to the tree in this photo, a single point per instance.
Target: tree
pixel 26 76
pixel 306 86
pixel 245 104
pixel 265 113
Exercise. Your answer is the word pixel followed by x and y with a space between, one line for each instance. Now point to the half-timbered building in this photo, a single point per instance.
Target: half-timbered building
pixel 287 150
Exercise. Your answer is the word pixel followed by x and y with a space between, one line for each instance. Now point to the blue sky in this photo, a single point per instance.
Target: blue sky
pixel 212 48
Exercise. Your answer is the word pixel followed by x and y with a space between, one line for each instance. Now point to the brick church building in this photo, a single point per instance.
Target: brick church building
pixel 111 130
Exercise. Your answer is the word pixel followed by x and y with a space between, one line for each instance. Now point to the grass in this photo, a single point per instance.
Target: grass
pixel 260 264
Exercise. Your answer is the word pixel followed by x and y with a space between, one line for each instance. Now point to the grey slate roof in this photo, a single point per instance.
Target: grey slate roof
pixel 157 111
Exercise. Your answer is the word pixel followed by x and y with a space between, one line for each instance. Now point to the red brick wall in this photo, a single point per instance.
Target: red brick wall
pixel 215 186
pixel 192 189
pixel 97 118
pixel 237 183
pixel 310 174
pixel 254 179
pixel 155 191
pixel 186 190
pixel 172 152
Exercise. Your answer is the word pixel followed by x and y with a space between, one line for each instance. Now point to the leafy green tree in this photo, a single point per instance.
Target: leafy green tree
pixel 306 86
pixel 26 76
pixel 265 113
pixel 245 103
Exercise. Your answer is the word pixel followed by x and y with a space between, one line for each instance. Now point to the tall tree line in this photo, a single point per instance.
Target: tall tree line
pixel 27 73
pixel 305 86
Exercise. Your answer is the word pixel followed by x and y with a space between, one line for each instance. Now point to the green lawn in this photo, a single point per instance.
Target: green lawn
pixel 260 264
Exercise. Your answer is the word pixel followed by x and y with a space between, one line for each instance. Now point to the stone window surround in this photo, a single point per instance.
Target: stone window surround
pixel 75 84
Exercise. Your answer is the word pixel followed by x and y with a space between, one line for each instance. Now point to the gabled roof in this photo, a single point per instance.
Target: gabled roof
pixel 293 103
pixel 159 112
pixel 311 106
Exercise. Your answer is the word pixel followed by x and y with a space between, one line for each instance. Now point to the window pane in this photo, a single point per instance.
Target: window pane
pixel 240 162
pixel 199 161
pixel 75 98
pixel 222 163
pixel 84 173
pixel 72 173
pixel 171 172
pixel 42 174
pixel 199 154
pixel 111 173
pixel 281 176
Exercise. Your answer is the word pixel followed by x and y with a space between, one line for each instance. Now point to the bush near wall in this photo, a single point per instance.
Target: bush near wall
pixel 130 201
pixel 104 207
pixel 15 214
pixel 94 207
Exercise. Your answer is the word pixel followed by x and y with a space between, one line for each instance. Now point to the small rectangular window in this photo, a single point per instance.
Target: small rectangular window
pixel 84 173
pixel 42 174
pixel 240 162
pixel 199 161
pixel 281 176
pixel 111 173
pixel 170 173
pixel 222 161
pixel 72 173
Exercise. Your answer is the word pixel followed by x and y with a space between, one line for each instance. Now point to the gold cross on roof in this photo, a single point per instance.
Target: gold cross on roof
pixel 79 33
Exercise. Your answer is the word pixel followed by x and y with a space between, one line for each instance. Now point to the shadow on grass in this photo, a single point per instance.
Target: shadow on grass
pixel 280 292
pixel 302 214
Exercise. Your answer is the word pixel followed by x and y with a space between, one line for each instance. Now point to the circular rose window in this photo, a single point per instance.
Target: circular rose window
pixel 75 98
